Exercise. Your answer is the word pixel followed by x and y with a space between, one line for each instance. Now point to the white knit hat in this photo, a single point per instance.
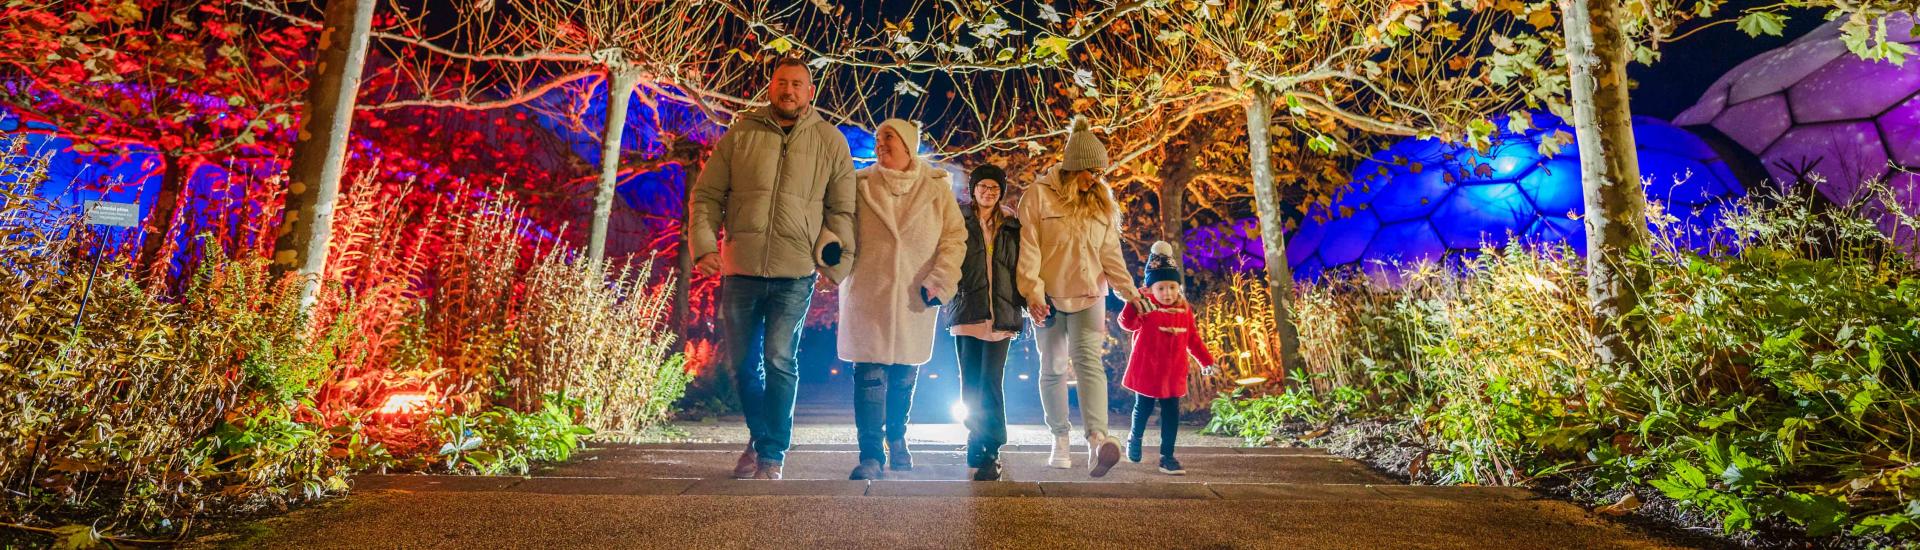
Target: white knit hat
pixel 909 133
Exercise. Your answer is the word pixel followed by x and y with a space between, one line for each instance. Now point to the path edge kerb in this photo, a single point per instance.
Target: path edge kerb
pixel 419 483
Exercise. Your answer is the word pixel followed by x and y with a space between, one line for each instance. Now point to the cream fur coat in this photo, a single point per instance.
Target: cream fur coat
pixel 910 235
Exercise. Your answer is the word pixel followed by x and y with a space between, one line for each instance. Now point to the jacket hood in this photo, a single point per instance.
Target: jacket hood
pixel 764 115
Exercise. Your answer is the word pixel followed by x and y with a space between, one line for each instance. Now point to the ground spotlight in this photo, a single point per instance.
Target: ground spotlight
pixel 959 411
pixel 406 404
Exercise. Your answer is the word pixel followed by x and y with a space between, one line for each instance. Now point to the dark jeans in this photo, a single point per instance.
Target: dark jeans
pixel 1169 421
pixel 759 324
pixel 882 394
pixel 983 366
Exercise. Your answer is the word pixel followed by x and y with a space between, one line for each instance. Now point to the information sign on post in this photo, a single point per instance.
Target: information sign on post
pixel 108 214
pixel 113 214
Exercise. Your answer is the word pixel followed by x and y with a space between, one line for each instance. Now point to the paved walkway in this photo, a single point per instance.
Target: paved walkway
pixel 677 496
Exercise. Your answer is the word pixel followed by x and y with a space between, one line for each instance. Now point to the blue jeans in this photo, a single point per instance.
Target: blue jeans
pixel 882 396
pixel 1169 421
pixel 759 325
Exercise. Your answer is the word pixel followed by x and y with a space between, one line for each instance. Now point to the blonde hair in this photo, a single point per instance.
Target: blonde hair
pixel 1085 201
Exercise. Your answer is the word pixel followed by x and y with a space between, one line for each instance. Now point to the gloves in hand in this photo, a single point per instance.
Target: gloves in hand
pixel 927 295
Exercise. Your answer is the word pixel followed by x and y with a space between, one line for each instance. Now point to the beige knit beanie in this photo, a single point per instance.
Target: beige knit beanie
pixel 909 134
pixel 1084 150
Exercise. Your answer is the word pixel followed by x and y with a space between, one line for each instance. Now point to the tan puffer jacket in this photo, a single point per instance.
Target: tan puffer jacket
pixel 1071 259
pixel 772 189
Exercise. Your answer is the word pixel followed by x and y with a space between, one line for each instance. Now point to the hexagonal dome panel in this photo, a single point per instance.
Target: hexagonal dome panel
pixel 1347 238
pixel 1424 200
pixel 1812 107
pixel 1547 187
pixel 1477 215
pixel 1410 195
pixel 1406 243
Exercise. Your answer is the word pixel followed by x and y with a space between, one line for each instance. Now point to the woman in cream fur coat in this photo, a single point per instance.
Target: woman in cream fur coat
pixel 912 239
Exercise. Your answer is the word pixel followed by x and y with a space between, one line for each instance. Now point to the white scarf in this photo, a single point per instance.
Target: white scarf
pixel 898 182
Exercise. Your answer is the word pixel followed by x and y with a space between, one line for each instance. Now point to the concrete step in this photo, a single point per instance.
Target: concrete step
pixel 603 486
pixel 1220 465
pixel 952 447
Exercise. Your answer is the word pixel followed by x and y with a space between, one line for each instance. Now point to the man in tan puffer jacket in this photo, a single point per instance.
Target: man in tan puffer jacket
pixel 779 176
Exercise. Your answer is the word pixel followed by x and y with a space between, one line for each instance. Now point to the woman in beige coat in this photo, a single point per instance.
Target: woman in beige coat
pixel 911 240
pixel 1069 261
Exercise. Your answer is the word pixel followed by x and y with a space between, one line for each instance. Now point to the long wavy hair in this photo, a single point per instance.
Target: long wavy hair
pixel 1083 195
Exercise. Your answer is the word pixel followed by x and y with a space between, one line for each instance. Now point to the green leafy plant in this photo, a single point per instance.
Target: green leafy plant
pixel 1779 383
pixel 505 441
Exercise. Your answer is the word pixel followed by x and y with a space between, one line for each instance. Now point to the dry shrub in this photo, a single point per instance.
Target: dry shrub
pixel 1237 323
pixel 596 333
pixel 169 403
pixel 148 409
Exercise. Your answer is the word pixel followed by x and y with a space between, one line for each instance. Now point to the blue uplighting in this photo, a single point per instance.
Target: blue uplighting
pixel 1425 200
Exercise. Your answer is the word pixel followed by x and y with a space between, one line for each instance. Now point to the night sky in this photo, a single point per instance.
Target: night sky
pixel 1688 67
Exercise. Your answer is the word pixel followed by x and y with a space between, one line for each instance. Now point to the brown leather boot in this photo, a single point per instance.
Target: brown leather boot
pixel 767 470
pixel 748 463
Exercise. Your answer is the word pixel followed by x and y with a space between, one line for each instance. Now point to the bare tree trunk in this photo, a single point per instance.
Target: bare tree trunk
pixel 173 178
pixel 1174 177
pixel 1616 202
pixel 320 151
pixel 683 278
pixel 619 94
pixel 1266 201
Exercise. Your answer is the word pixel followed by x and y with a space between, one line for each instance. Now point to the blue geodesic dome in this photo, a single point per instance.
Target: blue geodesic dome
pixel 1424 200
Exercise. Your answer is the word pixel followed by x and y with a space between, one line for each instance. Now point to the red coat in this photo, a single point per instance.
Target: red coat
pixel 1161 343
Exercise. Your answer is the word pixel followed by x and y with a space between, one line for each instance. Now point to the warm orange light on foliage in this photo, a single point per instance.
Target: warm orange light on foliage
pixel 406 403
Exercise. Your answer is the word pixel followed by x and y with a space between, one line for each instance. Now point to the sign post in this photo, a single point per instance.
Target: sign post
pixel 106 214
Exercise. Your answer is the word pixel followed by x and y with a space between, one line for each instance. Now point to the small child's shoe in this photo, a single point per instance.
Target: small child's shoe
pixel 1171 467
pixel 1133 450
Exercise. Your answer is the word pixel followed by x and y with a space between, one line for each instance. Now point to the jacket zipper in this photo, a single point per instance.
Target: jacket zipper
pixel 986 242
pixel 779 180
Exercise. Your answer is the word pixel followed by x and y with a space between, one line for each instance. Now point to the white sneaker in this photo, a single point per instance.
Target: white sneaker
pixel 1062 455
pixel 1102 454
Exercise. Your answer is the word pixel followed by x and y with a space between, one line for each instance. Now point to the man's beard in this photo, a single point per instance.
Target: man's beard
pixel 786 115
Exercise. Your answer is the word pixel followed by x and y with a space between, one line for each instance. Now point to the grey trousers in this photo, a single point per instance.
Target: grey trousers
pixel 1074 340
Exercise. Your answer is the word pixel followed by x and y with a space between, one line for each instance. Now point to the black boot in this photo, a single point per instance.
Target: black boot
pixel 868 469
pixel 989 471
pixel 897 457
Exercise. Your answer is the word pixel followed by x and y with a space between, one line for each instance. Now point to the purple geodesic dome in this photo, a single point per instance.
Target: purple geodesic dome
pixel 1424 200
pixel 1812 107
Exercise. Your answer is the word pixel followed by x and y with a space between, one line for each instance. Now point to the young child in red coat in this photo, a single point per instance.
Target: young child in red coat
pixel 1157 369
